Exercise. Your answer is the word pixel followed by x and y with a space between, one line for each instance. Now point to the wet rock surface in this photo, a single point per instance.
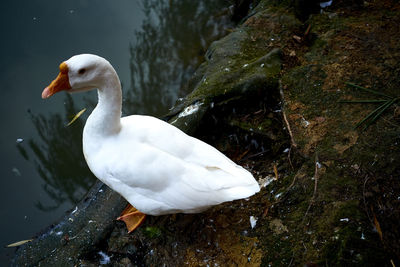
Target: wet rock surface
pixel 267 96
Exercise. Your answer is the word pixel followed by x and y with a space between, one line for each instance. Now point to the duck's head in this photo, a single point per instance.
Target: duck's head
pixel 79 73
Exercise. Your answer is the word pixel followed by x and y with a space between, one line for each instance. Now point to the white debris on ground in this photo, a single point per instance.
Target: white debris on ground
pixel 105 259
pixel 325 4
pixel 190 110
pixel 253 221
pixel 304 123
pixel 264 182
pixel 75 210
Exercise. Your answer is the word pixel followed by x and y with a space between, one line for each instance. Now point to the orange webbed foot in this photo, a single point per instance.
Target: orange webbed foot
pixel 132 218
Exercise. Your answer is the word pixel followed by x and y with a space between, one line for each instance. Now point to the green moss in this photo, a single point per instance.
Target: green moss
pixel 305 81
pixel 325 22
pixel 261 72
pixel 331 227
pixel 259 127
pixel 152 232
pixel 351 242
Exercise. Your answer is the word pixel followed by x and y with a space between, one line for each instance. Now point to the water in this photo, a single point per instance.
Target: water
pixel 154 46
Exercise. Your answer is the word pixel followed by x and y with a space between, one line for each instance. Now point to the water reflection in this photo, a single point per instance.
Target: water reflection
pixel 58 157
pixel 168 48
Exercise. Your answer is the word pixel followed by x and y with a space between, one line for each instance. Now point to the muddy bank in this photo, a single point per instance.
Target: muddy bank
pixel 267 96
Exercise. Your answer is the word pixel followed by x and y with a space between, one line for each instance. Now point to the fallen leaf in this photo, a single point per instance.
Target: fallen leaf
pixel 76 116
pixel 19 243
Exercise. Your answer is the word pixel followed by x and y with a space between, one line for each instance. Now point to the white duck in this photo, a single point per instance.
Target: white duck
pixel 155 166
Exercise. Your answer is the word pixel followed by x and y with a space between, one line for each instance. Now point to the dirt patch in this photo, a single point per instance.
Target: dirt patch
pixel 359 46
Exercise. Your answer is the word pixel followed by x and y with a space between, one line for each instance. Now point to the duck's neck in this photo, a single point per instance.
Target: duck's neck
pixel 105 119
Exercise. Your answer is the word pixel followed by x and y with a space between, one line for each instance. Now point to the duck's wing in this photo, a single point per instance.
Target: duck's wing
pixel 159 161
pixel 170 140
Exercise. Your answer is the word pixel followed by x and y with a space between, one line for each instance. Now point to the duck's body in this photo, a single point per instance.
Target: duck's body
pixel 161 170
pixel 154 165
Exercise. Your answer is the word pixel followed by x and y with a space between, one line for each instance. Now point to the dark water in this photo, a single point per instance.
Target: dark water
pixel 154 45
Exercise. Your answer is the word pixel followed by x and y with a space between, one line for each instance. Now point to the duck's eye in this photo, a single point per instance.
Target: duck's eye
pixel 82 71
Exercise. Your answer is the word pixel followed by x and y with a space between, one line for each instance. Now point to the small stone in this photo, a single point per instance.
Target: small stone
pixel 125 262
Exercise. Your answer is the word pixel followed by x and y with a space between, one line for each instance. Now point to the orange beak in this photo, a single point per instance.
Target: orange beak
pixel 59 84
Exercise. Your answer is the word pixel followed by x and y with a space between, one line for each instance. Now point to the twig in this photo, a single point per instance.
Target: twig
pixel 308 30
pixel 292 142
pixel 286 120
pixel 291 260
pixel 315 187
pixel 292 183
pixel 391 123
pixel 285 193
pixel 276 172
pixel 290 161
pixel 365 201
pixel 363 101
pixel 289 129
pixel 254 155
pixel 294 179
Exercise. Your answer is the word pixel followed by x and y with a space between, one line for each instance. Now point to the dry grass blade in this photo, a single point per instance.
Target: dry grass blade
pixel 370 115
pixel 376 113
pixel 368 90
pixel 76 116
pixel 19 243
pixel 383 108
